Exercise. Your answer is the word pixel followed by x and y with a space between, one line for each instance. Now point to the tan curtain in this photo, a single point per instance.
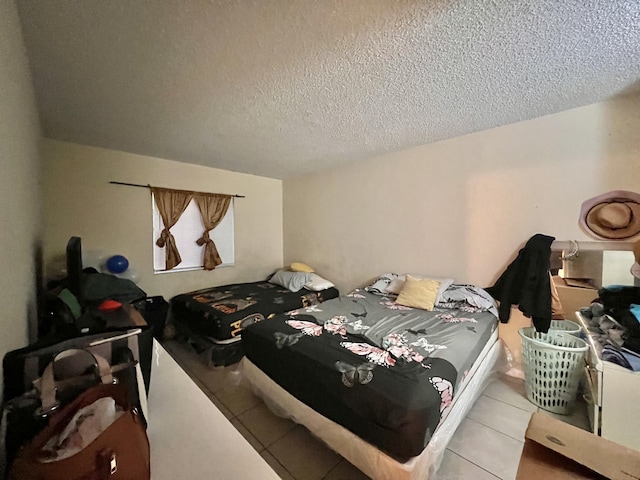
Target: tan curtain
pixel 171 204
pixel 213 207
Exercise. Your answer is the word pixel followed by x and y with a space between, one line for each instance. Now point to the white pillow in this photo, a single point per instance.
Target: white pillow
pixel 318 283
pixel 294 281
pixel 381 284
pixel 397 284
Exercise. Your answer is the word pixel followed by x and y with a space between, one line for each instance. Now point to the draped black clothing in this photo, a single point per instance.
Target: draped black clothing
pixel 526 283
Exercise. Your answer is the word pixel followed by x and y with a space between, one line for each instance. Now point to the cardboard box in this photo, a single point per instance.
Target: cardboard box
pixel 556 450
pixel 574 298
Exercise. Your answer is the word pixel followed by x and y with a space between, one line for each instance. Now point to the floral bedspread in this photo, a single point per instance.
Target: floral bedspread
pixel 386 372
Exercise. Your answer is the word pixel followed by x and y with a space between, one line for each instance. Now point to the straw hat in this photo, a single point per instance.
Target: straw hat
pixel 612 216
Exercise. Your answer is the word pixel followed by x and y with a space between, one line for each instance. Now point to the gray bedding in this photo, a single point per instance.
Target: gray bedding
pixel 385 372
pixel 456 335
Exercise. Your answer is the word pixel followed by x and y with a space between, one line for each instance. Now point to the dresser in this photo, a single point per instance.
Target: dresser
pixel 612 393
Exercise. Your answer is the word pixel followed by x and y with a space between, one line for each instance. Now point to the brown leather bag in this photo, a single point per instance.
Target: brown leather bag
pixel 121 452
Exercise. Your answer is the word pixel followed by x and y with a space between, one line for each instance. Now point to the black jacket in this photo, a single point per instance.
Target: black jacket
pixel 526 283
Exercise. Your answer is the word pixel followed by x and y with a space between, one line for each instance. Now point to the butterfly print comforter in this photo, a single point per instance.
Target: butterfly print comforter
pixel 386 372
pixel 221 313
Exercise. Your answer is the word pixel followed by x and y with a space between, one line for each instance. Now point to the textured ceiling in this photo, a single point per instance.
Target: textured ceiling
pixel 279 88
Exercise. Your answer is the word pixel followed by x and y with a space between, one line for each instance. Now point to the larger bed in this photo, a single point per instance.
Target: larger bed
pixel 383 384
pixel 212 319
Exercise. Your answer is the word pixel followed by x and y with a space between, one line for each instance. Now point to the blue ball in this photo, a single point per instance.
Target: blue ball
pixel 117 264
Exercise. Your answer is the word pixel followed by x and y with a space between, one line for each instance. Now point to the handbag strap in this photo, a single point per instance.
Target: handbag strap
pixel 47 384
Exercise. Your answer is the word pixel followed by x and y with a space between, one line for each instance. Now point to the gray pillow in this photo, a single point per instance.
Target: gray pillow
pixel 294 281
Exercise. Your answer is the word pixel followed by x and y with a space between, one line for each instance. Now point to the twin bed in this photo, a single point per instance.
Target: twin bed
pixel 383 383
pixel 212 319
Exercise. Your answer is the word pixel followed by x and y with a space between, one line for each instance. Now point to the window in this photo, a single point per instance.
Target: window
pixel 186 231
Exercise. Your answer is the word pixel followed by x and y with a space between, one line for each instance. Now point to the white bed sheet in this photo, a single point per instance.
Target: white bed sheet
pixel 371 461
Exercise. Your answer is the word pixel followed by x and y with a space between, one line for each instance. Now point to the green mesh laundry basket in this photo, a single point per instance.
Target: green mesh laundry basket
pixel 553 367
pixel 565 326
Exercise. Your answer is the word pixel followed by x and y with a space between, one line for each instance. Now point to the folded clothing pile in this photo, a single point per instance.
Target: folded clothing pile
pixel 623 303
pixel 616 316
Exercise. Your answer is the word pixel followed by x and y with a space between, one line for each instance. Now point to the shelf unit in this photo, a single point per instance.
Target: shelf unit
pixel 612 393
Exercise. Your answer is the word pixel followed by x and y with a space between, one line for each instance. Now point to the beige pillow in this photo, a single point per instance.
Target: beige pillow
pixel 397 283
pixel 419 293
pixel 300 267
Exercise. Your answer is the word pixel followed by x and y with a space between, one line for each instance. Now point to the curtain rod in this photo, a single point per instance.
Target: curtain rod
pixel 149 186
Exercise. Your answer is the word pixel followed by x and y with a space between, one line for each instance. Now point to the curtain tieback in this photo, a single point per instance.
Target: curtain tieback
pixel 163 238
pixel 204 239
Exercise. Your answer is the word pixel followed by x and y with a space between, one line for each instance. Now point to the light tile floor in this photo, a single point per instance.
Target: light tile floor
pixel 487 445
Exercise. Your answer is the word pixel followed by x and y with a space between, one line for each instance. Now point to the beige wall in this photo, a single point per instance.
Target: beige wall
pixel 464 206
pixel 19 185
pixel 78 200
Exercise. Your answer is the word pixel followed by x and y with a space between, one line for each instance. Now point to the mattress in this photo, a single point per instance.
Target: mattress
pixel 386 373
pixel 363 455
pixel 220 313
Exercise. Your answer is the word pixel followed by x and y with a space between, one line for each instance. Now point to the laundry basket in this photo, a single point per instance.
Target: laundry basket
pixel 565 326
pixel 553 367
